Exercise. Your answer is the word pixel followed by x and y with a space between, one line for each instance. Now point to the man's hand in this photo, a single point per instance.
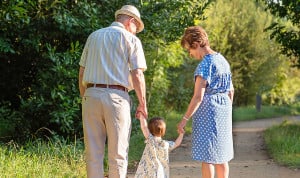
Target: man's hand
pixel 141 111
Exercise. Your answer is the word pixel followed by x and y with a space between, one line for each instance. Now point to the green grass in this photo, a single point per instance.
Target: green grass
pixel 250 113
pixel 283 143
pixel 42 159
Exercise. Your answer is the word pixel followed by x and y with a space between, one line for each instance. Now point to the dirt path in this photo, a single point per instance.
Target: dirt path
pixel 251 159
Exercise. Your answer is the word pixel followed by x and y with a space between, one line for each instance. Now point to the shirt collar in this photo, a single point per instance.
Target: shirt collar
pixel 118 24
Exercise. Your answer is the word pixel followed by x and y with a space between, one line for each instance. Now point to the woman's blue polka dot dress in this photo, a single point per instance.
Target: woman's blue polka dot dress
pixel 212 122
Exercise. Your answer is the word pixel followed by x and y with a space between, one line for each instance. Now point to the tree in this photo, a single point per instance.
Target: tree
pixel 40 46
pixel 236 29
pixel 41 43
pixel 288 35
pixel 28 26
pixel 165 22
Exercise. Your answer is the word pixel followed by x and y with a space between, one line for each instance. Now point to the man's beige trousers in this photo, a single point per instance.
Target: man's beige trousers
pixel 106 114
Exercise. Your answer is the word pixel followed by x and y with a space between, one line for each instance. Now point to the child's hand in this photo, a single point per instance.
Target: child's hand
pixel 180 131
pixel 181 126
pixel 139 115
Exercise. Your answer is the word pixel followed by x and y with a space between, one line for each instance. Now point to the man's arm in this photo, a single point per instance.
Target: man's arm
pixel 139 86
pixel 80 77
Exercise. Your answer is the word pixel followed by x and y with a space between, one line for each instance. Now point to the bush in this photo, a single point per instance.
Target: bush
pixel 9 121
pixel 55 101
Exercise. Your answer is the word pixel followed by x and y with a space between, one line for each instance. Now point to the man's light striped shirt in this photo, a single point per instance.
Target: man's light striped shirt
pixel 110 54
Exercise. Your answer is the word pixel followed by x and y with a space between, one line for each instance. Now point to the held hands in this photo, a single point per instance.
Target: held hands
pixel 180 131
pixel 141 111
pixel 140 115
pixel 181 125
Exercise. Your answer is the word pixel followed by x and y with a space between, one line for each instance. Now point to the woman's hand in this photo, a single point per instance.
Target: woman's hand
pixel 181 125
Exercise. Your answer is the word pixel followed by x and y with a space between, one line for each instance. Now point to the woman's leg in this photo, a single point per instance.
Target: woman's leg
pixel 222 170
pixel 208 170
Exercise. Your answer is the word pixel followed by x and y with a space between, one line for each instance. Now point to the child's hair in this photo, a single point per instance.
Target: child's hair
pixel 157 126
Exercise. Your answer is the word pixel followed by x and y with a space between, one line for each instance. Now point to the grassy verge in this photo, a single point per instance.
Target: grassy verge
pixel 250 113
pixel 42 159
pixel 283 143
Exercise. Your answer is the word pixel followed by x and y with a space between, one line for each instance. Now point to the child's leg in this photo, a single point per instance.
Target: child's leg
pixel 208 170
pixel 222 170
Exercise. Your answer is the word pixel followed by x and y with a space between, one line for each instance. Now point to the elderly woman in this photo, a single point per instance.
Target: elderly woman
pixel 210 106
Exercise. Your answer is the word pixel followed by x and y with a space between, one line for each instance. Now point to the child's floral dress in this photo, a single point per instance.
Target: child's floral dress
pixel 155 160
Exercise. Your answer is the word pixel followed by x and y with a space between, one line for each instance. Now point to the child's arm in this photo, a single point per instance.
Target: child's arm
pixel 144 127
pixel 178 140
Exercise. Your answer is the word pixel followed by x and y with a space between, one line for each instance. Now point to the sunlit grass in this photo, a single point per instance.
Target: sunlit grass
pixel 283 143
pixel 42 159
pixel 250 112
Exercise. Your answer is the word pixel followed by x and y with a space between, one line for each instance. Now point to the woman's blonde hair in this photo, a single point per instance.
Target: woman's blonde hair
pixel 157 126
pixel 193 35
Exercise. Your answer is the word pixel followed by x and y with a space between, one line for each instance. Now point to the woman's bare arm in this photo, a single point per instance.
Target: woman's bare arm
pixel 199 90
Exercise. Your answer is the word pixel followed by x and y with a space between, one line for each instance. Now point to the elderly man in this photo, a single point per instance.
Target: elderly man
pixel 112 63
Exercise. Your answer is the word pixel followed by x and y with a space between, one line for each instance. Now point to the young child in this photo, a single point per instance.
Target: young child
pixel 155 160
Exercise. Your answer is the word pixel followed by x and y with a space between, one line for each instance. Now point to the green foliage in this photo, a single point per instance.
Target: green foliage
pixel 28 26
pixel 165 20
pixel 172 119
pixel 286 91
pixel 283 142
pixel 164 24
pixel 54 100
pixel 9 121
pixel 255 60
pixel 39 69
pixel 287 35
pixel 162 58
pixel 182 87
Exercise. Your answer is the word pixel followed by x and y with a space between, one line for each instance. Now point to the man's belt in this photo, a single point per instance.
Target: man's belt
pixel 118 87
